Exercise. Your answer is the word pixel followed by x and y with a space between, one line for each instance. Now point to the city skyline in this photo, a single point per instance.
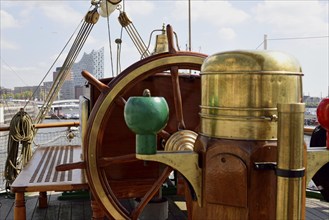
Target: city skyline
pixel 73 83
pixel 33 33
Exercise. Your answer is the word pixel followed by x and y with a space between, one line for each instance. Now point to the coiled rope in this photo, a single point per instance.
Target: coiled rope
pixel 21 131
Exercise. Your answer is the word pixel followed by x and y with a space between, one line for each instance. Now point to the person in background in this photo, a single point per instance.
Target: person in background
pixel 321 178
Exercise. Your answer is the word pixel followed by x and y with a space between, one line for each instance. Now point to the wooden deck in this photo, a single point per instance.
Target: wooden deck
pixel 316 209
pixel 79 209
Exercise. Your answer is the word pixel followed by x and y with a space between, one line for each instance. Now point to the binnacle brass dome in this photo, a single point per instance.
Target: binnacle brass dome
pixel 241 90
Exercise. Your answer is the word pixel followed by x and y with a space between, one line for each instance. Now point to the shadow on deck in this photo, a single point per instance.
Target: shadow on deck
pixel 79 209
pixel 73 209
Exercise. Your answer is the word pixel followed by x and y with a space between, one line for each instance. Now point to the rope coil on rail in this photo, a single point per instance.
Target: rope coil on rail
pixel 21 131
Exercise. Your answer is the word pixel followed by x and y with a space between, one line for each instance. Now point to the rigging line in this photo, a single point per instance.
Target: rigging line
pixel 134 40
pixel 13 70
pixel 76 43
pixel 140 39
pixel 70 54
pixel 50 97
pixel 109 35
pixel 260 45
pixel 70 60
pixel 79 41
pixel 297 38
pixel 43 79
pixel 119 53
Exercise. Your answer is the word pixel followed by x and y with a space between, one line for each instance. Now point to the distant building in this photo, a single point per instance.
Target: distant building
pixel 74 84
pixel 67 89
pixel 46 88
pixel 69 76
pixel 5 91
pixel 82 91
pixel 93 63
pixel 26 92
pixel 311 101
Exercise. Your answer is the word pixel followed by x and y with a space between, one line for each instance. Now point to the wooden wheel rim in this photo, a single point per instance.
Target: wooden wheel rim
pixel 138 71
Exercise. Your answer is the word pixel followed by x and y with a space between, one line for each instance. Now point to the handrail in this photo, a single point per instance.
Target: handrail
pixel 49 125
pixel 307 130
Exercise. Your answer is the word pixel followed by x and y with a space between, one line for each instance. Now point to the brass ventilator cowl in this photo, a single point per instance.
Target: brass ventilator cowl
pixel 241 90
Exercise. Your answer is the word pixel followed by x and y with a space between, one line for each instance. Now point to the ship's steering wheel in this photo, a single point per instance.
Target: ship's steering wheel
pixel 112 97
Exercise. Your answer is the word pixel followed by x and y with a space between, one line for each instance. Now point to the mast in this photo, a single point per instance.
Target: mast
pixel 189 26
pixel 265 41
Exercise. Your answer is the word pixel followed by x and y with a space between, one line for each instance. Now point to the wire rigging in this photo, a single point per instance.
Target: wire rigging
pixel 292 38
pixel 12 70
pixel 61 52
pixel 119 49
pixel 133 34
pixel 109 38
pixel 90 19
pixel 297 38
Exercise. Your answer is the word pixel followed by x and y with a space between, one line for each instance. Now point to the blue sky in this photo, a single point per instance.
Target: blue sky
pixel 34 32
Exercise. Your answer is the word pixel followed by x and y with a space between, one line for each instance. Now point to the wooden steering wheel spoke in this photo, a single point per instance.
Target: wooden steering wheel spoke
pixel 177 97
pixel 150 194
pixel 95 82
pixel 164 134
pixel 120 101
pixel 108 161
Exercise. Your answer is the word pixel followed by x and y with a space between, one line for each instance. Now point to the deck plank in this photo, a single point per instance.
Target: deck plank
pixel 81 210
pixel 6 207
pixel 317 209
pixel 53 209
pixel 31 200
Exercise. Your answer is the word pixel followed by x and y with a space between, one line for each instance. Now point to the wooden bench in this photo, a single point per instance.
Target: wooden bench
pixel 40 175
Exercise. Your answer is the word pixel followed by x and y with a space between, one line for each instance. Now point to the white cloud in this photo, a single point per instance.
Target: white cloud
pixel 7 20
pixel 226 33
pixel 294 17
pixel 8 45
pixel 61 13
pixel 138 8
pixel 212 12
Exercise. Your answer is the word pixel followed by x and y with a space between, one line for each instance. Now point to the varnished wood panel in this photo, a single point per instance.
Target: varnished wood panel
pixel 226 180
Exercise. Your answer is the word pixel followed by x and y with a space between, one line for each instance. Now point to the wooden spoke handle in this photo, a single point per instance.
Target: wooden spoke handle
pixel 71 166
pixel 95 82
